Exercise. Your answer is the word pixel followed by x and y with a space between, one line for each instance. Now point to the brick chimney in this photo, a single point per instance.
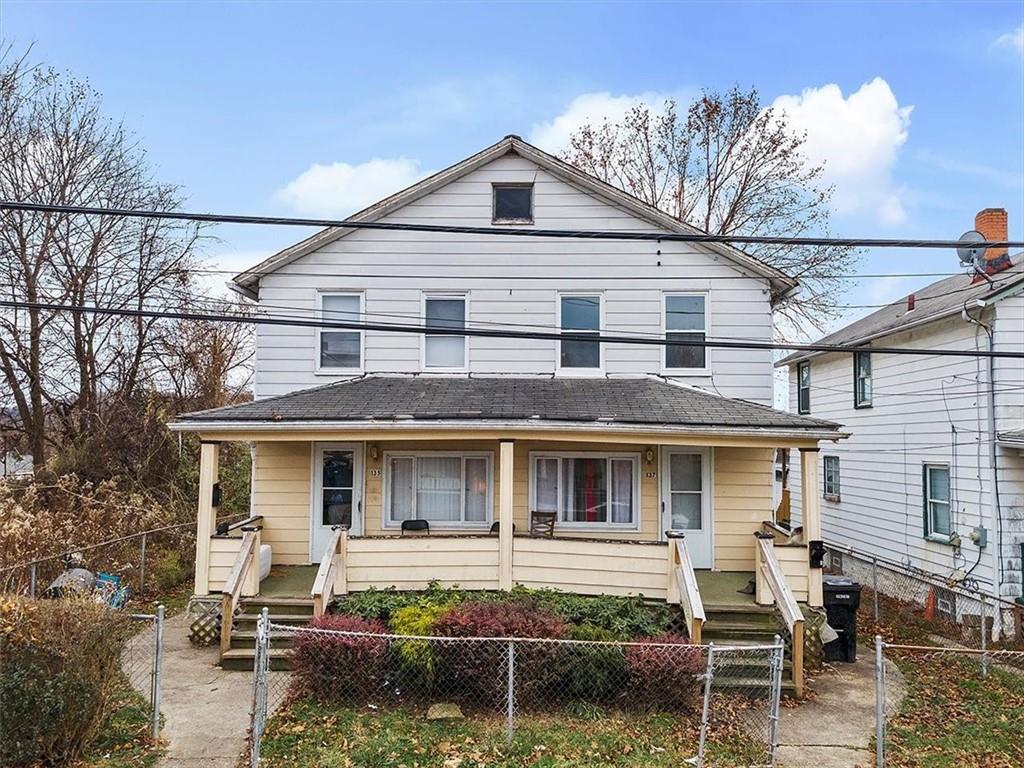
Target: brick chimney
pixel 993 224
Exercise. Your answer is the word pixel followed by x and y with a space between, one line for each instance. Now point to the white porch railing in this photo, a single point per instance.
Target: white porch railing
pixel 244 576
pixel 683 586
pixel 331 578
pixel 771 587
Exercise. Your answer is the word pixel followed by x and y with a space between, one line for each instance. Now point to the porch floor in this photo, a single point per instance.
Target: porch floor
pixel 289 581
pixel 720 589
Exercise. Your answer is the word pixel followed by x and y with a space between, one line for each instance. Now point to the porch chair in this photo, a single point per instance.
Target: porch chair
pixel 416 526
pixel 542 524
pixel 496 527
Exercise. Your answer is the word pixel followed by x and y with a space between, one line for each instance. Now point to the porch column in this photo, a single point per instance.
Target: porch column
pixel 206 520
pixel 810 492
pixel 505 459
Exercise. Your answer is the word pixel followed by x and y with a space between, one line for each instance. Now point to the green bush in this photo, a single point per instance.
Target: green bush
pixel 167 570
pixel 594 672
pixel 624 617
pixel 416 659
pixel 61 661
pixel 382 604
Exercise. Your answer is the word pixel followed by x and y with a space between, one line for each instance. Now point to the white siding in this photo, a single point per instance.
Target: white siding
pixel 922 406
pixel 393 269
pixel 1009 378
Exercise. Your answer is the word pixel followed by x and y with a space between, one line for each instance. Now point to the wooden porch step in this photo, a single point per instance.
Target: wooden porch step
pixel 242 658
pixel 300 606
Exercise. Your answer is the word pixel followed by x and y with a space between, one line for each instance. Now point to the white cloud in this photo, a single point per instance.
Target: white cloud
pixel 1014 40
pixel 553 135
pixel 858 138
pixel 338 189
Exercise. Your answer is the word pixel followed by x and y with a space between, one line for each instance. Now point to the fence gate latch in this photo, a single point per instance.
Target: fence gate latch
pixel 816 552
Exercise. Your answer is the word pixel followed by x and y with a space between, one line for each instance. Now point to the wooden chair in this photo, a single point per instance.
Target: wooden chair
pixel 415 526
pixel 542 524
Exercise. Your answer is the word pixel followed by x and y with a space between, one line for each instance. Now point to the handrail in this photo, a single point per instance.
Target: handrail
pixel 241 524
pixel 770 570
pixel 326 575
pixel 689 592
pixel 233 586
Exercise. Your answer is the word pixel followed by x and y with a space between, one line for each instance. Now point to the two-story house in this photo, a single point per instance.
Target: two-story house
pixel 933 474
pixel 398 459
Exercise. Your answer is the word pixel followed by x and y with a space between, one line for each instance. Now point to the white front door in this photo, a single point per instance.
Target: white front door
pixel 337 493
pixel 686 500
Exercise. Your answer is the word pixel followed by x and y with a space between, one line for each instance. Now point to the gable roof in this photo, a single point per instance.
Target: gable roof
pixel 933 302
pixel 530 401
pixel 248 281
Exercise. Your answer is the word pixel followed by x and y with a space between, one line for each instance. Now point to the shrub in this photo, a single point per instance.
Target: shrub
pixel 382 604
pixel 594 672
pixel 417 661
pixel 169 569
pixel 665 676
pixel 478 668
pixel 61 664
pixel 334 667
pixel 625 617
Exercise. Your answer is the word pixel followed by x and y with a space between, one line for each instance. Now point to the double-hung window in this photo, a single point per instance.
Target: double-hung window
pixel 580 315
pixel 803 387
pixel 936 497
pixel 685 320
pixel 831 484
pixel 861 379
pixel 342 349
pixel 445 351
pixel 446 489
pixel 586 489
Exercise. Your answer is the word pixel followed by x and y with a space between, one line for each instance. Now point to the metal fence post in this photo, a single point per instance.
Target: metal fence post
pixel 259 687
pixel 874 582
pixel 158 658
pixel 708 676
pixel 984 633
pixel 775 695
pixel 32 580
pixel 142 564
pixel 879 702
pixel 510 692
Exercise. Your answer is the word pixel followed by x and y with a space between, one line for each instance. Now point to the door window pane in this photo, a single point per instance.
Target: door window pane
pixel 337 506
pixel 686 472
pixel 337 469
pixel 585 490
pixel 685 490
pixel 686 511
pixel 476 490
pixel 336 483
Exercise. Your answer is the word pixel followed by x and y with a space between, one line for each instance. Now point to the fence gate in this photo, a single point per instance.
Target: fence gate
pixel 142 660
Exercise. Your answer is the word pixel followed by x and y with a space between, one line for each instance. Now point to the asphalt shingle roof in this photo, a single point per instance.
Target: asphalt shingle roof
pixel 630 401
pixel 932 301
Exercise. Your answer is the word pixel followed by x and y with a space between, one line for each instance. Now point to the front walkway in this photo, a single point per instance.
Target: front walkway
pixel 205 709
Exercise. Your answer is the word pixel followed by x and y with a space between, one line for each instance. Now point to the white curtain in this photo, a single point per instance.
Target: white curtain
pixel 476 490
pixel 622 491
pixel 439 488
pixel 546 483
pixel 401 489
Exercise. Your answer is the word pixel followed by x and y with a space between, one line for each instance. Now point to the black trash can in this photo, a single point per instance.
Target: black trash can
pixel 842 598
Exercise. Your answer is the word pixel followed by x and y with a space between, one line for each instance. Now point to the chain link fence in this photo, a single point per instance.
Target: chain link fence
pixel 924 606
pixel 142 660
pixel 952 691
pixel 728 692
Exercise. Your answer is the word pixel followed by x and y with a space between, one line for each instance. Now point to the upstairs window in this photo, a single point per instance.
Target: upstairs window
pixel 340 350
pixel 445 351
pixel 580 315
pixel 803 387
pixel 831 484
pixel 685 320
pixel 861 379
pixel 936 501
pixel 513 204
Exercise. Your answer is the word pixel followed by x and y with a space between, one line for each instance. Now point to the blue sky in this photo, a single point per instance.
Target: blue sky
pixel 318 108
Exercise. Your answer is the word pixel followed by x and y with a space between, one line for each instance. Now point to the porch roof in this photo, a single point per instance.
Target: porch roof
pixel 520 400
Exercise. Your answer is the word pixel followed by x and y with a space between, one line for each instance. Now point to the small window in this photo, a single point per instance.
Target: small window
pixel 445 351
pixel 685 321
pixel 587 490
pixel 803 387
pixel 936 501
pixel 448 490
pixel 513 204
pixel 831 484
pixel 340 350
pixel 580 315
pixel 862 379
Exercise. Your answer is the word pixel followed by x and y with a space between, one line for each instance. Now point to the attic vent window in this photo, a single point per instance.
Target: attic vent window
pixel 513 204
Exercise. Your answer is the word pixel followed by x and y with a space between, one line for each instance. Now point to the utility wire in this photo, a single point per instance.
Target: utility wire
pixel 584 234
pixel 587 336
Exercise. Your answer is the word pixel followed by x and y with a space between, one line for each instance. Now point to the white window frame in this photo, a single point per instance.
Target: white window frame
pixel 559 370
pixel 494 202
pixel 429 295
pixel 388 524
pixel 832 494
pixel 327 370
pixel 859 401
pixel 706 370
pixel 926 483
pixel 575 525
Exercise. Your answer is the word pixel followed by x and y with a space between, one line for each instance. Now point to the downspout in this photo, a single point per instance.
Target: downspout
pixel 997 517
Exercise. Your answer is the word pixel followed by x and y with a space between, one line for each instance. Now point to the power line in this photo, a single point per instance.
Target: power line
pixel 584 234
pixel 593 337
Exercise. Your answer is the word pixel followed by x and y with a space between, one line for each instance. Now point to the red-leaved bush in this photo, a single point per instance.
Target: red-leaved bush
pixel 339 667
pixel 479 669
pixel 665 675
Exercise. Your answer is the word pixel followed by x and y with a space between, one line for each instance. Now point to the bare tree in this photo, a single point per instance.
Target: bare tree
pixel 728 166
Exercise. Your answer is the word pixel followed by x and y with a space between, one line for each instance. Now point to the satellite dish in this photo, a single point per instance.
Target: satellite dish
pixel 970 254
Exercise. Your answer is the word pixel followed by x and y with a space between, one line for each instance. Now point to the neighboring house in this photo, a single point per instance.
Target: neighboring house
pixel 483 437
pixel 932 437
